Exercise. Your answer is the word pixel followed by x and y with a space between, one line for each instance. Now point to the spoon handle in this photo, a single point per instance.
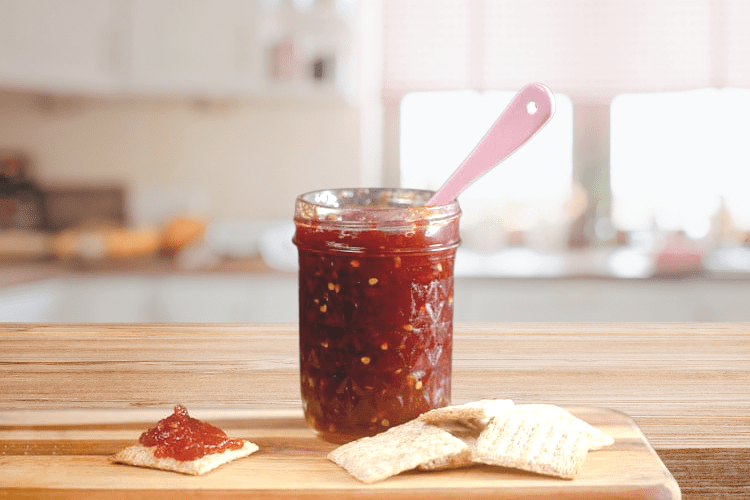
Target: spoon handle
pixel 528 112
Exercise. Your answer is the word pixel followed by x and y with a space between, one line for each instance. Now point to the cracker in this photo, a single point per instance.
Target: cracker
pixel 534 445
pixel 465 422
pixel 549 412
pixel 401 448
pixel 539 438
pixel 456 461
pixel 143 456
pixel 478 411
pixel 467 433
pixel 544 439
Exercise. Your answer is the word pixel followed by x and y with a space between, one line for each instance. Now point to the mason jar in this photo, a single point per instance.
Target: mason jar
pixel 375 307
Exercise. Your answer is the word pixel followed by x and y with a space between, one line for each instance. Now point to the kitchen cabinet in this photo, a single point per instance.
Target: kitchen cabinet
pixel 142 294
pixel 66 46
pixel 191 48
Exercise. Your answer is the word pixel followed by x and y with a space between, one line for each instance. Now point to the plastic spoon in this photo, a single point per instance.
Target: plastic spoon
pixel 526 114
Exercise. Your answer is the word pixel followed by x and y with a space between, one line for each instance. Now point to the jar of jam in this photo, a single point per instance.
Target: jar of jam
pixel 375 307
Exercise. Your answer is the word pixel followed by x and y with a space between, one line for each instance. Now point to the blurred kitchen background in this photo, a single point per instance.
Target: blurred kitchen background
pixel 151 151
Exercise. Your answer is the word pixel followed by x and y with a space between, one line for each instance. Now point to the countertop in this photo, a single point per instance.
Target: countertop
pixel 575 266
pixel 17 272
pixel 684 384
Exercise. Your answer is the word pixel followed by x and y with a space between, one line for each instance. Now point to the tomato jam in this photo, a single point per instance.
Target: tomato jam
pixel 375 308
pixel 184 438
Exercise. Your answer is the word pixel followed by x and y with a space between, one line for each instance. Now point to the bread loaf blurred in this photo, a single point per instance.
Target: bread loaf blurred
pixel 181 232
pixel 103 243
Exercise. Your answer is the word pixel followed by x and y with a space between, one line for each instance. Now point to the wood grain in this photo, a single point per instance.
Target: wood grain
pixel 291 463
pixel 685 384
pixel 710 474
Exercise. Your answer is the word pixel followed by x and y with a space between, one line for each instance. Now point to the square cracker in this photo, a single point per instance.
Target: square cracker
pixel 544 439
pixel 554 413
pixel 401 448
pixel 143 456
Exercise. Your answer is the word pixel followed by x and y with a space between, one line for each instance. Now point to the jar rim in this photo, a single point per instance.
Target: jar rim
pixel 365 206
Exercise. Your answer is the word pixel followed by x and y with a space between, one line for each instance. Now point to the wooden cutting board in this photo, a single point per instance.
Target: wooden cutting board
pixel 63 454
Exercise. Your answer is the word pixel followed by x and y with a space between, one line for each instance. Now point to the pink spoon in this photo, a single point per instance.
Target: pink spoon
pixel 527 113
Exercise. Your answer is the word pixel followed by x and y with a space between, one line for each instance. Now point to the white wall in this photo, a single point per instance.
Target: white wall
pixel 250 157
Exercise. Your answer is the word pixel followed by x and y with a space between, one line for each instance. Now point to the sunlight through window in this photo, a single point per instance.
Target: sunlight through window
pixel 678 158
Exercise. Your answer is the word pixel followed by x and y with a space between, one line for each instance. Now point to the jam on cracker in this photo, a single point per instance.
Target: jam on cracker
pixel 184 438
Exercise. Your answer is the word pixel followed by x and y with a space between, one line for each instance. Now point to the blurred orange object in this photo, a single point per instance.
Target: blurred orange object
pixel 132 243
pixel 102 243
pixel 181 232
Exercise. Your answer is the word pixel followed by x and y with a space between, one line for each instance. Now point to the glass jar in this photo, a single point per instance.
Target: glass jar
pixel 375 307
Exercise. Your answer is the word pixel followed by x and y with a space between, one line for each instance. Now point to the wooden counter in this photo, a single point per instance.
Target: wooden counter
pixel 686 385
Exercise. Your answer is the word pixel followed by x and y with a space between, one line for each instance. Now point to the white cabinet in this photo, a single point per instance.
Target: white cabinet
pixel 309 49
pixel 70 46
pixel 199 48
pixel 192 47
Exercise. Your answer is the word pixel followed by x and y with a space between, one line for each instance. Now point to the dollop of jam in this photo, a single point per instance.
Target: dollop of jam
pixel 185 438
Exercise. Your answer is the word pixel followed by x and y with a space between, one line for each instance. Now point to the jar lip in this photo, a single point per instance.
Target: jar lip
pixel 367 205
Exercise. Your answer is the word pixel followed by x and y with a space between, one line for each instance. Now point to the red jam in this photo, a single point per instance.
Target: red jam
pixel 184 438
pixel 376 322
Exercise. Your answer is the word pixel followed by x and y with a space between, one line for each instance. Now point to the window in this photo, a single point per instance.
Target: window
pixel 680 160
pixel 606 58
